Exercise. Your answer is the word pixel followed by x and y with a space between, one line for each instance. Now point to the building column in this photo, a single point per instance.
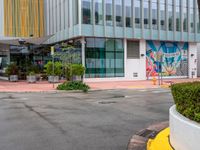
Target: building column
pixel 192 60
pixel 83 50
pixel 142 60
pixel 125 58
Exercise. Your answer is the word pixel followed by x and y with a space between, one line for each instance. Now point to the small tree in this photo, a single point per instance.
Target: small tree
pixel 12 69
pixel 68 55
pixel 57 69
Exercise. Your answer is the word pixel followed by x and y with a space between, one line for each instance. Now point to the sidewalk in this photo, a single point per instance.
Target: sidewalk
pixel 44 86
pixel 147 84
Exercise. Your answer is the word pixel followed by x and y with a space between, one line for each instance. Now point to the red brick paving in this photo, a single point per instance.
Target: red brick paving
pixel 44 86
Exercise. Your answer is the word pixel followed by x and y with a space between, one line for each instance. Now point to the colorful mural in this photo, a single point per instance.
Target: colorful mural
pixel 168 58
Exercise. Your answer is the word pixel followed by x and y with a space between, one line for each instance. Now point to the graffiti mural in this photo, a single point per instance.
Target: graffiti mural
pixel 168 58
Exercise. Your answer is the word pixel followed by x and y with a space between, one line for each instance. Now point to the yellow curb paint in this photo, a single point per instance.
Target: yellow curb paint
pixel 161 142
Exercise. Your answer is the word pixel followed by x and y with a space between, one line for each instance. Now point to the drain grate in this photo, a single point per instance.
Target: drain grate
pixel 148 133
pixel 108 102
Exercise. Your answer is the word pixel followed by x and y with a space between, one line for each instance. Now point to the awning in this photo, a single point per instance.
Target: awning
pixel 35 41
pixel 10 42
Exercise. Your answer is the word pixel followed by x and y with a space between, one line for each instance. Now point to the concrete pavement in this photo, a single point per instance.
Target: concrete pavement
pixel 98 120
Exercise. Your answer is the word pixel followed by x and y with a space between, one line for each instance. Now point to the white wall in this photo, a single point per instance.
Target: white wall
pixel 192 60
pixel 1 18
pixel 198 60
pixel 137 66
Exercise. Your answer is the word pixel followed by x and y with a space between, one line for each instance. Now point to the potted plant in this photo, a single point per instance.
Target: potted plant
pixel 53 71
pixel 12 71
pixel 31 78
pixel 77 72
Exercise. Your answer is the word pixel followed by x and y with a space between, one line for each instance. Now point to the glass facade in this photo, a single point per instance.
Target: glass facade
pixel 137 4
pixel 87 11
pixel 128 5
pixel 162 15
pixel 119 14
pixel 192 16
pixel 154 14
pixel 146 13
pixel 170 15
pixel 185 17
pixel 178 15
pixel 104 58
pixel 99 12
pixel 109 12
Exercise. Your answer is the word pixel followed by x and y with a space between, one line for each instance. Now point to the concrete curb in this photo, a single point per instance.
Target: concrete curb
pixel 140 139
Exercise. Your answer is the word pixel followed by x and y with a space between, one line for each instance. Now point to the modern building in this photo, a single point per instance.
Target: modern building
pixel 118 39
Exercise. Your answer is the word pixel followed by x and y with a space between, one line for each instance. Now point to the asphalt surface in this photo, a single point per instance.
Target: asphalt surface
pixel 99 120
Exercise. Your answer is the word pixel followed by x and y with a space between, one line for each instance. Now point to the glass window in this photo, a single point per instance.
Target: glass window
pixel 118 10
pixel 162 15
pixel 137 4
pixel 87 11
pixel 99 12
pixel 178 15
pixel 128 4
pixel 104 58
pixel 109 12
pixel 185 18
pixel 198 17
pixel 170 15
pixel 75 18
pixel 146 14
pixel 192 16
pixel 154 14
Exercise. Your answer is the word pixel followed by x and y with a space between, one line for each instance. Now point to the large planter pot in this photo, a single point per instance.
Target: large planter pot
pixel 31 79
pixel 13 78
pixel 184 133
pixel 53 79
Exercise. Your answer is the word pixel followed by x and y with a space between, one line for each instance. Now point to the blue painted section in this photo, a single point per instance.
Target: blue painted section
pixel 170 58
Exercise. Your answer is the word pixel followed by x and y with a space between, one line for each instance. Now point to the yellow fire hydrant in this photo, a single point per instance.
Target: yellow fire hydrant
pixel 154 80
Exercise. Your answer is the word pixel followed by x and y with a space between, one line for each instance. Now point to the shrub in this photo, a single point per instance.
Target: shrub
pixel 187 99
pixel 77 70
pixel 71 70
pixel 57 68
pixel 74 85
pixel 12 69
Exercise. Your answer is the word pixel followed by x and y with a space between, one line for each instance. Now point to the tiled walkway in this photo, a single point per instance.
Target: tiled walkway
pixel 44 86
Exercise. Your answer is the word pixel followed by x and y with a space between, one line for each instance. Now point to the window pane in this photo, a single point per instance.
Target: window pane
pixel 170 14
pixel 192 16
pixel 98 12
pixel 146 14
pixel 118 8
pixel 109 13
pixel 185 18
pixel 162 15
pixel 154 14
pixel 86 10
pixel 137 4
pixel 178 15
pixel 128 5
pixel 104 58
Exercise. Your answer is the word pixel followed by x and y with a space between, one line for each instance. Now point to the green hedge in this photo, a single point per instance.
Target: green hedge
pixel 73 85
pixel 187 99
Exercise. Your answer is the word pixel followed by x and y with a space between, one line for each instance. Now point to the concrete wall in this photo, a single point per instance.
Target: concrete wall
pixel 192 60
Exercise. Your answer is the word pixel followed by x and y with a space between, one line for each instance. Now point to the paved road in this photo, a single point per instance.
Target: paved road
pixel 100 120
